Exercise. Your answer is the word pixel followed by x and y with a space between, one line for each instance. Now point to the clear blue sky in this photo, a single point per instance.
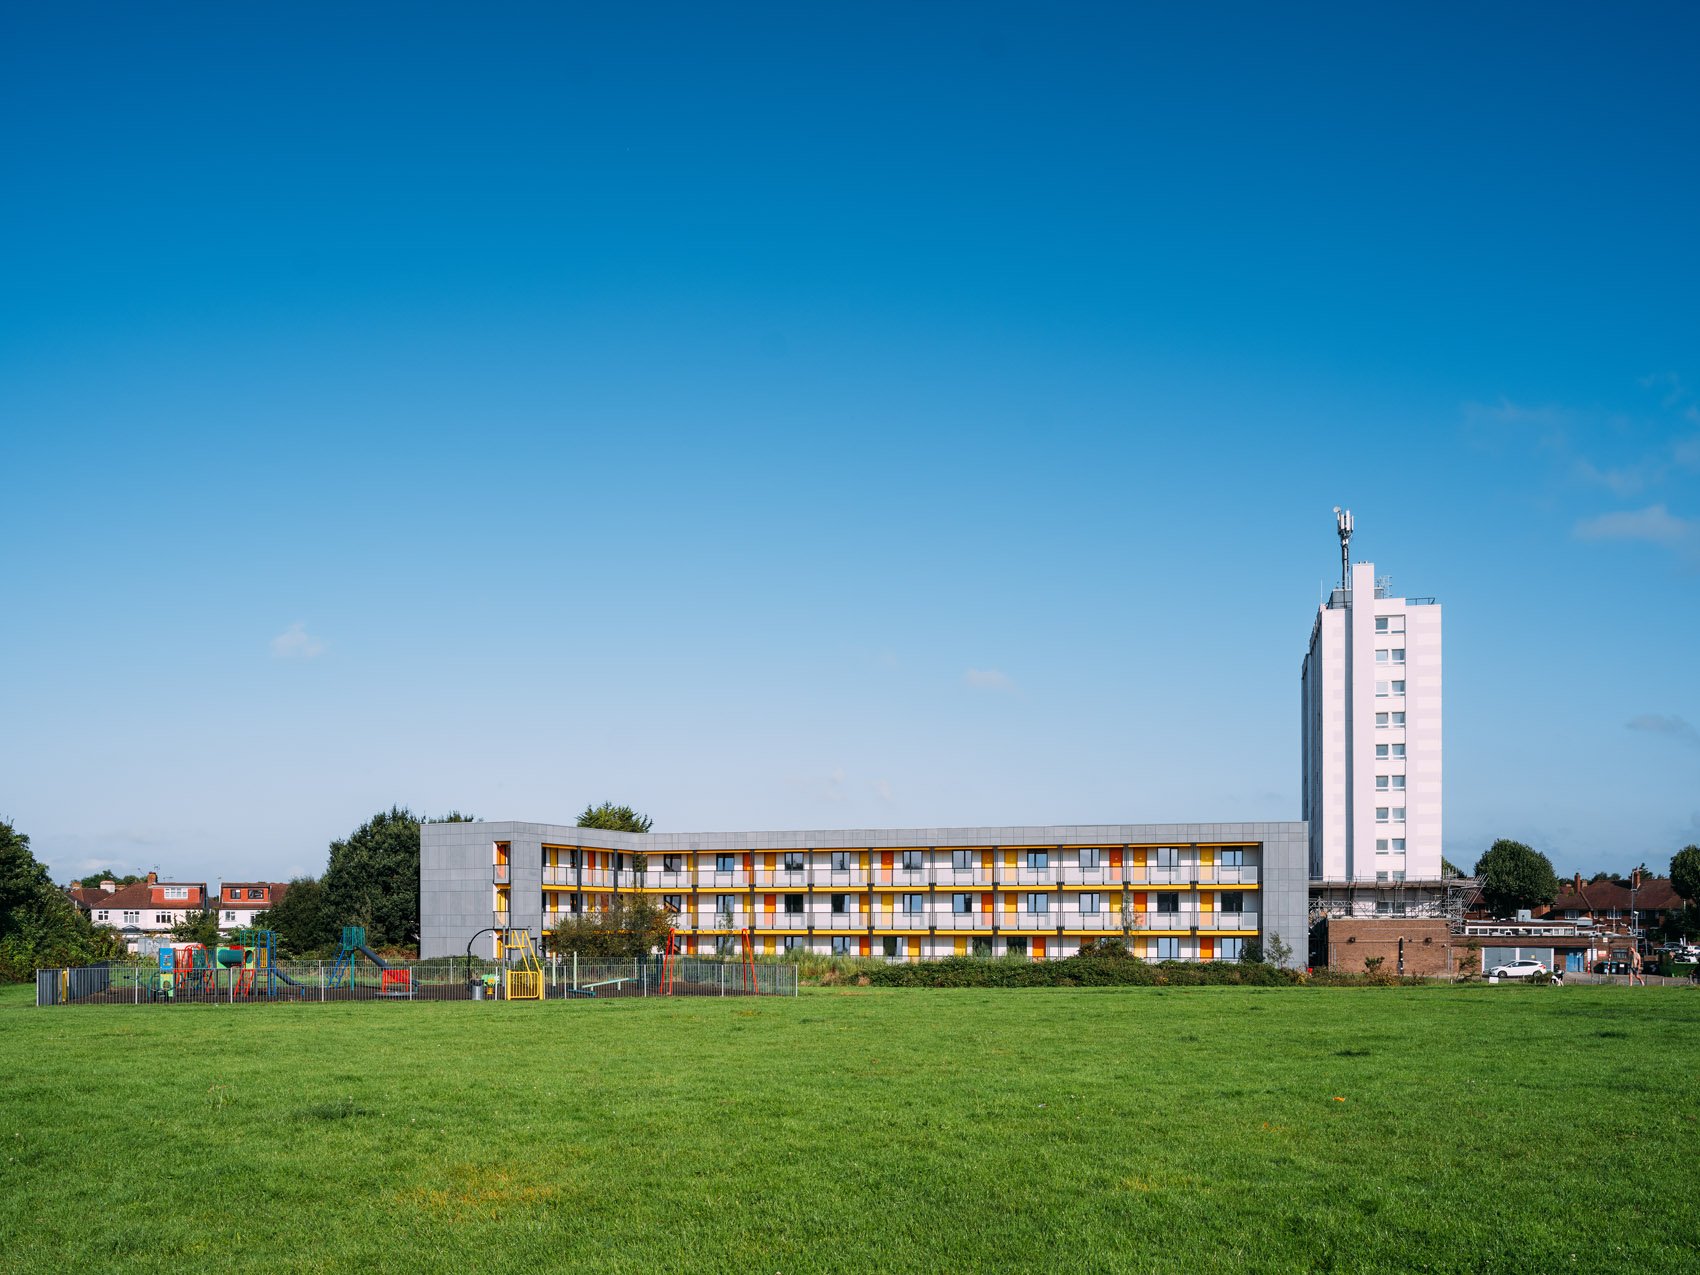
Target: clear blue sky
pixel 834 415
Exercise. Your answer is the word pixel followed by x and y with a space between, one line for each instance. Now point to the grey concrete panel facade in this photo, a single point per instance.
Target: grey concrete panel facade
pixel 457 885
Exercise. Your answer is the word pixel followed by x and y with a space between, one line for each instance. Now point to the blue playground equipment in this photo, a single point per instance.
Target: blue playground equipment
pixel 353 948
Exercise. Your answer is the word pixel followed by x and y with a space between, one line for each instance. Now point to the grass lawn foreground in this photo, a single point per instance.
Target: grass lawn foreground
pixel 1125 1129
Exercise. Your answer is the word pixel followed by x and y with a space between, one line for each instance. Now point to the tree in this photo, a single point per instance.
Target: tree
pixel 197 927
pixel 39 926
pixel 614 818
pixel 301 921
pixel 1251 951
pixel 93 880
pixel 633 926
pixel 1685 873
pixel 373 877
pixel 1448 868
pixel 1278 950
pixel 1514 876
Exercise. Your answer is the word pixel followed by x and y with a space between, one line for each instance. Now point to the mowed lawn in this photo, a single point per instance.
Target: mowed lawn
pixel 1488 1128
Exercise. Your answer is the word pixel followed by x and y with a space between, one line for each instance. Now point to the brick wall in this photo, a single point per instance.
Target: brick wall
pixel 1428 945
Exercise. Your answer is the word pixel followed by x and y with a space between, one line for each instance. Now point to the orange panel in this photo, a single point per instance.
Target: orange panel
pixel 886 859
pixel 767 862
pixel 863 944
pixel 986 902
pixel 986 860
pixel 1009 903
pixel 1206 948
pixel 1116 859
pixel 1038 949
pixel 767 901
pixel 749 862
pixel 914 946
pixel 1139 900
pixel 1009 858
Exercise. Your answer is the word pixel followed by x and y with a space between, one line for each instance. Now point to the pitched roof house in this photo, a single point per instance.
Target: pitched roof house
pixel 144 912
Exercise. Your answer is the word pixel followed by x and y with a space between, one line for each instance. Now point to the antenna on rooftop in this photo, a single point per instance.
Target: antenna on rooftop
pixel 1343 523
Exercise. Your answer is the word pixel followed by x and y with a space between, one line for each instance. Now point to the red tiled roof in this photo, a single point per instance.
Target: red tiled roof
pixel 137 896
pixel 1604 897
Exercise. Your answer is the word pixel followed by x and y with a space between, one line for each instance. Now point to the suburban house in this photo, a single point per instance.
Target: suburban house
pixel 239 902
pixel 143 913
pixel 1609 904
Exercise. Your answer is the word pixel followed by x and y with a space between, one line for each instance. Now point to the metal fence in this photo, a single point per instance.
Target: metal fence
pixel 564 977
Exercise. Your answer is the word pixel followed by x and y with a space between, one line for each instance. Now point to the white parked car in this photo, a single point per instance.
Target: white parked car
pixel 1522 967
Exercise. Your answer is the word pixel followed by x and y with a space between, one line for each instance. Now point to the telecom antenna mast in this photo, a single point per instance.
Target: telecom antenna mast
pixel 1343 523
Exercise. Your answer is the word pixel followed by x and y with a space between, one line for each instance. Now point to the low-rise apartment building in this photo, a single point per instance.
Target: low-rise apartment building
pixel 1173 891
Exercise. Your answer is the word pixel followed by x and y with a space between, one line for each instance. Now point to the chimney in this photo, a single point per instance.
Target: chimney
pixel 1577 885
pixel 108 885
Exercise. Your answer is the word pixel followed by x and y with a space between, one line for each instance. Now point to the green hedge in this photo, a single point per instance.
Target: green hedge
pixel 1077 971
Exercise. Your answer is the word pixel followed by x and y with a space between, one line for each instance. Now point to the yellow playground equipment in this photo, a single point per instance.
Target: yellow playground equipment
pixel 520 964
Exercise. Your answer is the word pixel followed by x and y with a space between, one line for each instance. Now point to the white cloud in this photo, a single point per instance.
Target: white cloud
pixel 295 643
pixel 1655 523
pixel 989 679
pixel 1671 727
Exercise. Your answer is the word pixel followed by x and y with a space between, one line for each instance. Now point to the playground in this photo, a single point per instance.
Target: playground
pixel 246 971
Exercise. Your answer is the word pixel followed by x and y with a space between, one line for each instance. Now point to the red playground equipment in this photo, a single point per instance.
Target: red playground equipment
pixel 670 960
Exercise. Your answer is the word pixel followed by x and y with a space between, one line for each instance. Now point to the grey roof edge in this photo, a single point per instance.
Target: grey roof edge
pixel 866 838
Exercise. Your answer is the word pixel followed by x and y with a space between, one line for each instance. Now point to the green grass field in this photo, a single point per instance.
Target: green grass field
pixel 1142 1129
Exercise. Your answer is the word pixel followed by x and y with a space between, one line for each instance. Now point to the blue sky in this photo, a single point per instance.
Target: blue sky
pixel 833 415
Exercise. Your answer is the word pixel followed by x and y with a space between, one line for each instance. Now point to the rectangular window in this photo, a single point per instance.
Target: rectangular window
pixel 1381 624
pixel 1169 901
pixel 841 861
pixel 793 860
pixel 1399 719
pixel 180 892
pixel 1381 719
pixel 162 918
pixel 1398 688
pixel 1035 903
pixel 980 945
pixel 962 904
pixel 1090 903
pixel 1381 876
pixel 1380 656
pixel 228 916
pixel 725 863
pixel 1398 655
pixel 1398 814
pixel 101 916
pixel 1090 856
pixel 793 905
pixel 1398 874
pixel 891 945
pixel 914 904
pixel 794 942
pixel 962 860
pixel 1381 814
pixel 1232 901
pixel 1229 949
pixel 1381 751
pixel 1398 750
pixel 842 945
pixel 911 860
pixel 726 905
pixel 1381 845
pixel 673 903
pixel 1381 690
pixel 1168 949
pixel 672 863
pixel 1398 845
pixel 1015 947
pixel 1398 781
pixel 1167 857
pixel 1231 858
pixel 1038 858
pixel 1381 782
pixel 132 918
pixel 840 904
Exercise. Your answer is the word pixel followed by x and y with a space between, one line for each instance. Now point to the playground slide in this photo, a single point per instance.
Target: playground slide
pixel 374 958
pixel 285 978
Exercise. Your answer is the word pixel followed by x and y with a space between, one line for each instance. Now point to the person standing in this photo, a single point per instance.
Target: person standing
pixel 1635 975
